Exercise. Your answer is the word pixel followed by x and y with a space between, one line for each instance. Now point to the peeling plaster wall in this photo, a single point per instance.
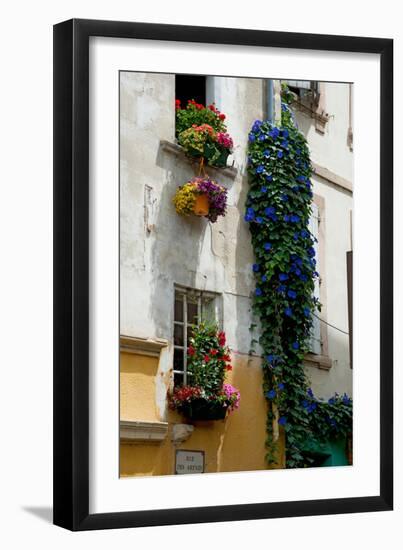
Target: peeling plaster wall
pixel 160 248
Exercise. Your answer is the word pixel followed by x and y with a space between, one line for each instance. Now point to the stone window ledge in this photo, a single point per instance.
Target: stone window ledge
pixel 132 431
pixel 322 362
pixel 175 149
pixel 142 346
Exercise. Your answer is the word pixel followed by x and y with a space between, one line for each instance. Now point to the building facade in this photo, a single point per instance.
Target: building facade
pixel 174 269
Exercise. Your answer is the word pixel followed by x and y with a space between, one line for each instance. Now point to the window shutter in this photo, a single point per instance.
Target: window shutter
pixel 315 340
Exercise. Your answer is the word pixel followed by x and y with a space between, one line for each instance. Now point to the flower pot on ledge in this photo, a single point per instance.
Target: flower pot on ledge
pixel 203 409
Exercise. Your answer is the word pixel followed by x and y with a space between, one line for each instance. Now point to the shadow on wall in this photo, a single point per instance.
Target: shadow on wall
pixel 175 244
pixel 244 331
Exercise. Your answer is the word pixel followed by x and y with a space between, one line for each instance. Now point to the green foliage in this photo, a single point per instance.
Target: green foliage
pixel 278 210
pixel 208 397
pixel 202 141
pixel 206 358
pixel 197 114
pixel 331 419
pixel 202 132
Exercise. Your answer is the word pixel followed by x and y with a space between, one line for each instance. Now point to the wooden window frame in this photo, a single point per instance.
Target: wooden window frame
pixel 200 296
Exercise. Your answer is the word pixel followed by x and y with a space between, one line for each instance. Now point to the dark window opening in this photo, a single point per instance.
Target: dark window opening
pixel 190 87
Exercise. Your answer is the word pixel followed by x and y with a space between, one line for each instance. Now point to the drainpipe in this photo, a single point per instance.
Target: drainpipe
pixel 273 101
pixel 269 99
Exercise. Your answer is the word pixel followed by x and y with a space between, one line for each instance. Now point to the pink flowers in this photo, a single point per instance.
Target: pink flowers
pixel 233 395
pixel 225 140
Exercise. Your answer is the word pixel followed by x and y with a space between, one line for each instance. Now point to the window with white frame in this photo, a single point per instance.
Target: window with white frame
pixel 191 306
pixel 315 341
pixel 310 100
pixel 304 89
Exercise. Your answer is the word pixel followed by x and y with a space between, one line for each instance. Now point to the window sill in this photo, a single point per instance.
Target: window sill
pixel 322 362
pixel 176 150
pixel 133 431
pixel 142 346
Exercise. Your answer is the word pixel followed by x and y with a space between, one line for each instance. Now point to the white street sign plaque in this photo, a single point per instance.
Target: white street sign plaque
pixel 189 462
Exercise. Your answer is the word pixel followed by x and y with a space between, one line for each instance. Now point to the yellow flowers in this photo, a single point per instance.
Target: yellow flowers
pixel 185 198
pixel 194 139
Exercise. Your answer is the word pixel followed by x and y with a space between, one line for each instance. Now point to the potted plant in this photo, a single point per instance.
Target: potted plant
pixel 202 133
pixel 201 196
pixel 208 397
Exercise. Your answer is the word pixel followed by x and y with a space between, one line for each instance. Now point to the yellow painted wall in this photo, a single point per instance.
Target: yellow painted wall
pixel 137 387
pixel 234 444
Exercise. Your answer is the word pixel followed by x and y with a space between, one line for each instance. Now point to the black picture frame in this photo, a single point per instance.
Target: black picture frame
pixel 71 274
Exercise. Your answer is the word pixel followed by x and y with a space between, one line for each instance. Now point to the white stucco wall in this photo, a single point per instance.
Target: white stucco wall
pixel 159 248
pixel 331 150
pixel 333 272
pixel 186 251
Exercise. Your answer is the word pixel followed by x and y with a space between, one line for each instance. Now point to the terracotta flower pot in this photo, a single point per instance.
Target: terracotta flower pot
pixel 201 206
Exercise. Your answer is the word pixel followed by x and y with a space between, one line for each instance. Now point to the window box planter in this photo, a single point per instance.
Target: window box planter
pixel 203 409
pixel 212 155
pixel 209 397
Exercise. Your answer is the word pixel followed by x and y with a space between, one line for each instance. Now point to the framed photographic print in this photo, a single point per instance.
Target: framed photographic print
pixel 223 274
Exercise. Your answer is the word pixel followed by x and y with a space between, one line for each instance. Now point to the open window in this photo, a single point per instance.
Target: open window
pixel 307 91
pixel 310 100
pixel 191 307
pixel 190 86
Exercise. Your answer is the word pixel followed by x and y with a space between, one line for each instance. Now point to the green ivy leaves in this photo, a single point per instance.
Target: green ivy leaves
pixel 278 209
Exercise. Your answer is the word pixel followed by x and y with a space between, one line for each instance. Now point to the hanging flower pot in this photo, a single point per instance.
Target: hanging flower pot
pixel 201 205
pixel 202 197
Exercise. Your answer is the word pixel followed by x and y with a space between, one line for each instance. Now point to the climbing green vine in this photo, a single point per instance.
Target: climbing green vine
pixel 278 209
